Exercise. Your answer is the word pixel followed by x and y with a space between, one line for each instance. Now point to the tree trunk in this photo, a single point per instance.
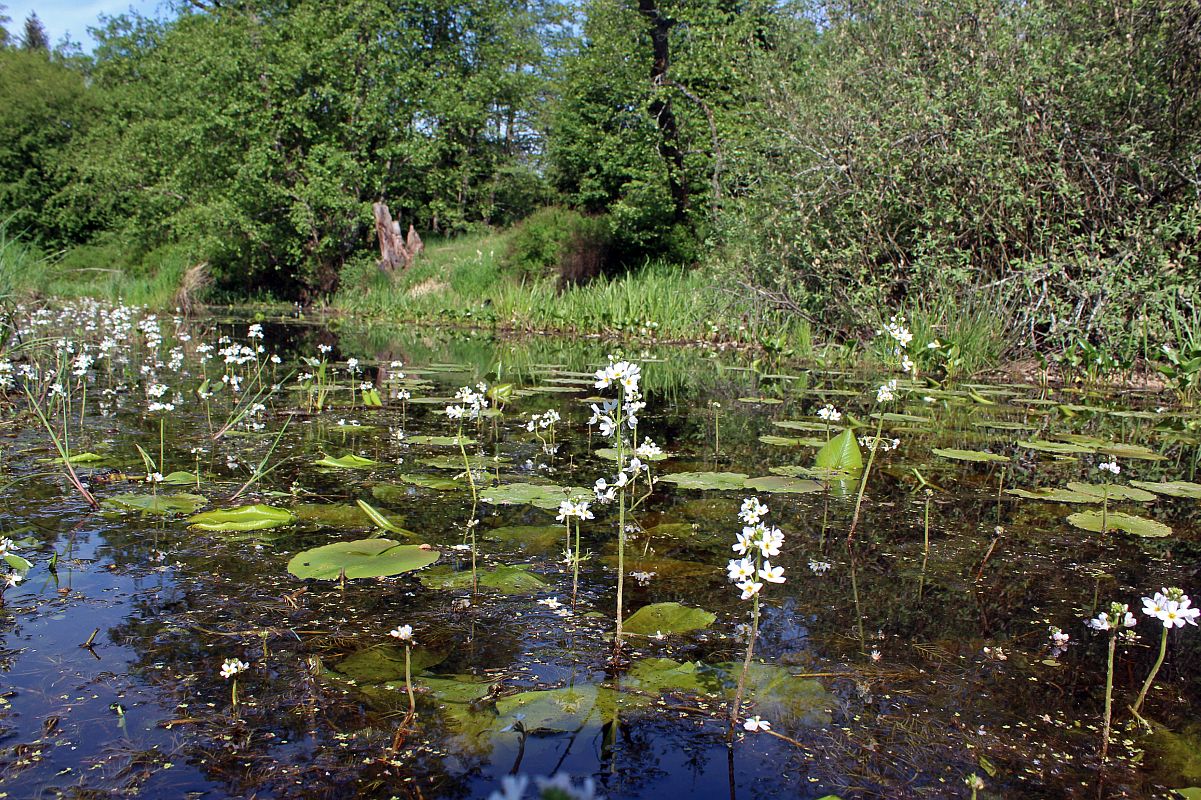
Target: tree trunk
pixel 395 253
pixel 660 107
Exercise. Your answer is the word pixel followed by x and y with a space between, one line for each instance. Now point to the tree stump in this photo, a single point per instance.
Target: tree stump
pixel 396 253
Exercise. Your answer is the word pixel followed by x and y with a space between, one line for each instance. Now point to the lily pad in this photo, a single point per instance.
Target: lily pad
pixel 657 675
pixel 364 558
pixel 1055 448
pixel 706 480
pixel 440 441
pixel 180 478
pixel 1184 489
pixel 760 401
pixel 779 484
pixel 967 455
pixel 545 496
pixel 435 482
pixel 348 461
pixel 804 425
pixel 1054 495
pixel 567 709
pixel 456 462
pixel 784 698
pixel 242 518
pixel 610 453
pixel 791 441
pixel 337 515
pixel 1115 491
pixel 158 504
pixel 667 618
pixel 1117 521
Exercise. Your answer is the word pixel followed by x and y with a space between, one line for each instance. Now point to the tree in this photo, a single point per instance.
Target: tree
pixel 35 38
pixel 4 20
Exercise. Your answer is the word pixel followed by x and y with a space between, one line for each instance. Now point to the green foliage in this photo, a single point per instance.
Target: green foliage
pixel 46 106
pixel 1038 149
pixel 537 244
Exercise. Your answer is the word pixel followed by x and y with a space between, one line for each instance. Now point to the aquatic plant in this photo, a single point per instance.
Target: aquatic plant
pixel 230 670
pixel 1116 621
pixel 1174 609
pixel 404 634
pixel 757 543
pixel 471 404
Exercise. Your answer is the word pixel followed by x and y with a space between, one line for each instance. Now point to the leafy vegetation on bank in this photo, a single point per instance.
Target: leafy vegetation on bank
pixel 1027 175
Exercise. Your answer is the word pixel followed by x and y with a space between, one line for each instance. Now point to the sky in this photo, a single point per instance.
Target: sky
pixel 73 16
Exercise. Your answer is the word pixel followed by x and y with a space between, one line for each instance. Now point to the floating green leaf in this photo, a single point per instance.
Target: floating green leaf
pixel 1055 448
pixel 967 455
pixel 504 579
pixel 456 462
pixel 804 425
pixel 706 480
pixel 440 441
pixel 778 484
pixel 158 504
pixel 14 561
pixel 567 709
pixel 1184 489
pixel 387 663
pixel 1114 491
pixel 656 675
pixel 1054 495
pixel 610 453
pixel 180 478
pixel 760 401
pixel 365 558
pixel 841 453
pixel 528 538
pixel 242 518
pixel 1117 521
pixel 348 461
pixel 791 441
pixel 546 496
pixel 667 618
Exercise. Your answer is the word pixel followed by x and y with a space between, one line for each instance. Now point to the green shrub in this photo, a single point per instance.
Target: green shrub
pixel 538 242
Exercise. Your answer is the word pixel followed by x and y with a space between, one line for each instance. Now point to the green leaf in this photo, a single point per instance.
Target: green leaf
pixel 243 518
pixel 1115 491
pixel 377 519
pixel 841 453
pixel 504 579
pixel 667 618
pixel 365 558
pixel 434 482
pixel 610 453
pixel 348 461
pixel 967 455
pixel 546 496
pixel 706 480
pixel 1184 489
pixel 160 504
pixel 180 478
pixel 441 441
pixel 1056 448
pixel 567 709
pixel 1054 495
pixel 778 484
pixel 1117 521
pixel 14 561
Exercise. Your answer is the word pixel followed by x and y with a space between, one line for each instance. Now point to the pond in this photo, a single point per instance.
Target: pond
pixel 188 637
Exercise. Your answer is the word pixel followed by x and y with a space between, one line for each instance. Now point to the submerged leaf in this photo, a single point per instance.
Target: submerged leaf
pixel 365 558
pixel 667 618
pixel 1114 491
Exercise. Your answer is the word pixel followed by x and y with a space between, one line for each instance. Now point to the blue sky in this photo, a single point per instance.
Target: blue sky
pixel 73 16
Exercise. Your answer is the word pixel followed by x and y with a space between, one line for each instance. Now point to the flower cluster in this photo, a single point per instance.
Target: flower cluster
pixel 577 509
pixel 829 413
pixel 542 421
pixel 1172 607
pixel 232 667
pixel 471 402
pixel 1109 466
pixel 404 633
pixel 1116 618
pixel 757 543
pixel 613 417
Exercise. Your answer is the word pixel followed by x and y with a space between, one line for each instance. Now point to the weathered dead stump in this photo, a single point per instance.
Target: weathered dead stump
pixel 396 252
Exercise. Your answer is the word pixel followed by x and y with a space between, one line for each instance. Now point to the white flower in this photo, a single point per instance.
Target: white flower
pixel 232 667
pixel 897 330
pixel 1058 637
pixel 454 412
pixel 819 567
pixel 648 449
pixel 1109 466
pixel 512 787
pixel 746 541
pixel 829 413
pixel 1117 617
pixel 770 542
pixel 752 511
pixel 551 603
pixel 886 392
pixel 741 569
pixel 12 579
pixel 404 633
pixel 772 574
pixel 749 589
pixel 876 655
pixel 756 723
pixel 561 786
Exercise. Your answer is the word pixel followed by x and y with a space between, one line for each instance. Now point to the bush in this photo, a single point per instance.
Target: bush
pixel 538 242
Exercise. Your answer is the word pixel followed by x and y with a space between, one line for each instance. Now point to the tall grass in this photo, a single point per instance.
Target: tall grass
pixel 462 281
